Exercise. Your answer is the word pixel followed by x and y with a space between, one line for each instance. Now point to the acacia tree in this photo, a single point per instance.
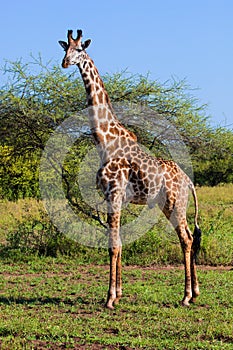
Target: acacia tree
pixel 38 98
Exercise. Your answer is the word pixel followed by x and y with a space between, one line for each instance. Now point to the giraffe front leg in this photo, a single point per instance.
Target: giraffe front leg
pixel 115 290
pixel 115 282
pixel 118 278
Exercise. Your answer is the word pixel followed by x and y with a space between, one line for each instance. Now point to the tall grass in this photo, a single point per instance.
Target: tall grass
pixel 25 230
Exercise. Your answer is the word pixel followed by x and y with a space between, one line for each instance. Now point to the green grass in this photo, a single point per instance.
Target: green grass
pixel 216 221
pixel 52 304
pixel 58 303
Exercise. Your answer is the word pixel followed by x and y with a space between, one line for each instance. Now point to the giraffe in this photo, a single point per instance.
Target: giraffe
pixel 129 174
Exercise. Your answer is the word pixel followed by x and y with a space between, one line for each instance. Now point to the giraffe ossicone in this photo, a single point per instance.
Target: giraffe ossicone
pixel 128 174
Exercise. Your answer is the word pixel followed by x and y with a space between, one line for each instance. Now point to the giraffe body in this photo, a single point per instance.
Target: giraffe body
pixel 128 174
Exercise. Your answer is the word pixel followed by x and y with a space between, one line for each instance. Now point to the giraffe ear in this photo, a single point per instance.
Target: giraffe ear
pixel 86 44
pixel 63 44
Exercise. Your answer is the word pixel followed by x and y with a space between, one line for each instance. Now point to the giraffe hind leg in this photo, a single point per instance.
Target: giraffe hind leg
pixel 175 212
pixel 186 243
pixel 191 282
pixel 194 252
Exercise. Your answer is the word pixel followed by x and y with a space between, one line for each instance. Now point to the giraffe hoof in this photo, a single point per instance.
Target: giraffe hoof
pixel 193 300
pixel 117 300
pixel 109 306
pixel 185 303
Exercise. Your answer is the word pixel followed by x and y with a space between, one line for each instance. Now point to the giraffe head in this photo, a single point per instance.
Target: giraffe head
pixel 74 49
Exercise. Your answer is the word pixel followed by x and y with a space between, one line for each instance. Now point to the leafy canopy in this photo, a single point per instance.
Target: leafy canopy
pixel 38 97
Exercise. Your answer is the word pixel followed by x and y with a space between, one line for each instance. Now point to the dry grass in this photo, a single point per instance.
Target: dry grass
pixel 13 213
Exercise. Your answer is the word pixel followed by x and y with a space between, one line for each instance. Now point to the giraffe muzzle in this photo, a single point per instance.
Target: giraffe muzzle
pixel 65 64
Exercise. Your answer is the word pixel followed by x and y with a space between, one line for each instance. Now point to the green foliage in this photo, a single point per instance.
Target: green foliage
pixel 213 160
pixel 18 175
pixel 32 104
pixel 38 97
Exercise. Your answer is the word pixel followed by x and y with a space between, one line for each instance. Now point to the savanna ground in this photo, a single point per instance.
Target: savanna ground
pixel 57 302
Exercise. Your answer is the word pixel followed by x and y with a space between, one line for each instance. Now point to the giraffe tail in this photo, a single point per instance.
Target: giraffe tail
pixel 197 232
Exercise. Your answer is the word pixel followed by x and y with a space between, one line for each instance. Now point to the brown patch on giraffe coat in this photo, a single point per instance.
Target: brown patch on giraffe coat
pixel 169 183
pixel 98 137
pixel 100 97
pixel 120 153
pixel 114 130
pixel 144 167
pixel 132 136
pixel 88 89
pixel 94 100
pixel 126 173
pixel 151 170
pixel 110 138
pixel 92 74
pixel 107 100
pixel 150 176
pixel 141 175
pixel 116 144
pixel 104 127
pixel 167 176
pixel 126 149
pixel 123 162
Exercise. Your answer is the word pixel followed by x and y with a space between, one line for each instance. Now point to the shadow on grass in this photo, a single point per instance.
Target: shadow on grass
pixel 42 301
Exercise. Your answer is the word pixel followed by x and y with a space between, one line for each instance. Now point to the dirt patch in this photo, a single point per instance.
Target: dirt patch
pixel 84 270
pixel 178 267
pixel 76 345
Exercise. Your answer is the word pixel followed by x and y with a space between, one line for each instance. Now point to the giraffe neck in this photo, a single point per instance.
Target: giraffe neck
pixel 96 93
pixel 105 127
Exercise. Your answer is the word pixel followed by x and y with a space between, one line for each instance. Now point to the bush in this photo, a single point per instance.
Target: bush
pixel 36 101
pixel 40 237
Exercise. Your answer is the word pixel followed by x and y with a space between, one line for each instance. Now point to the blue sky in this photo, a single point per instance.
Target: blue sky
pixel 190 39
